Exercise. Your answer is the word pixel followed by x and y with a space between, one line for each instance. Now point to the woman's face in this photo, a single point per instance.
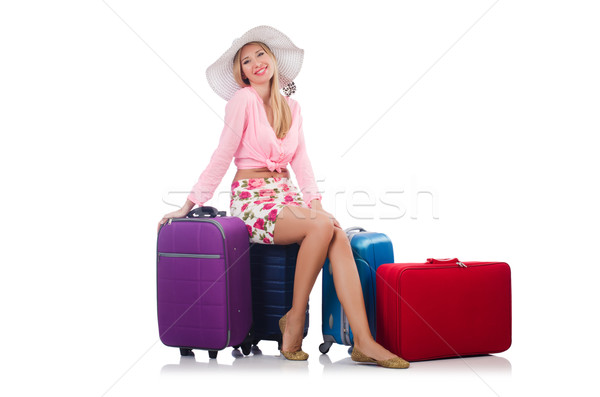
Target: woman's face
pixel 257 65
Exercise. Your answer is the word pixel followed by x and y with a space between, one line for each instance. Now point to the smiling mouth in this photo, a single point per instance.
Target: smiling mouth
pixel 261 71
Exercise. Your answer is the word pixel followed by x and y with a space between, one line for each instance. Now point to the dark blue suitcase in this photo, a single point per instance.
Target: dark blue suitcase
pixel 370 249
pixel 272 269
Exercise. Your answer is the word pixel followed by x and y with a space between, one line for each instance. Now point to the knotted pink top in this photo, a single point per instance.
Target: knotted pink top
pixel 249 138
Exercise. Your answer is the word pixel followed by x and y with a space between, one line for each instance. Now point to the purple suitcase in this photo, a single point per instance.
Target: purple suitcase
pixel 203 282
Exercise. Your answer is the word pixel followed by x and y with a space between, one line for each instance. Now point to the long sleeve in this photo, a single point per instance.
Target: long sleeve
pixel 303 170
pixel 236 121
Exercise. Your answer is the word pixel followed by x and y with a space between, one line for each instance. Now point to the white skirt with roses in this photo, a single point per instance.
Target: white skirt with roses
pixel 258 202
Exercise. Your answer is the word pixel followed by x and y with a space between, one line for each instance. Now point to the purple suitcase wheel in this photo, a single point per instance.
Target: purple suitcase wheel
pixel 186 352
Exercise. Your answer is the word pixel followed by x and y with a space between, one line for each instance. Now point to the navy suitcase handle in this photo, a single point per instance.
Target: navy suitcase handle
pixel 205 212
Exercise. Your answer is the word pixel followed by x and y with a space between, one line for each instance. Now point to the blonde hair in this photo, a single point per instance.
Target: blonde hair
pixel 282 115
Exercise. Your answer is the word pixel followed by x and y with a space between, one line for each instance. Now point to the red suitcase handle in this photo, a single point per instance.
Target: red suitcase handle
pixel 445 261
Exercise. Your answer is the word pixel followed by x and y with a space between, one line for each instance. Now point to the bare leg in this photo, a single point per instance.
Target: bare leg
pixel 313 231
pixel 349 291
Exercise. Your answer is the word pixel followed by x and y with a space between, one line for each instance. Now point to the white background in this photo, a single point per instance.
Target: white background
pixel 106 114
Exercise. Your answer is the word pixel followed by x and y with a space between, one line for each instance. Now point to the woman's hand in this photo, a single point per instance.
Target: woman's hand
pixel 180 213
pixel 316 204
pixel 335 222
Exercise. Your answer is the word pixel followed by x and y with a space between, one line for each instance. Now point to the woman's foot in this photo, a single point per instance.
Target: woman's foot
pixel 292 331
pixel 373 352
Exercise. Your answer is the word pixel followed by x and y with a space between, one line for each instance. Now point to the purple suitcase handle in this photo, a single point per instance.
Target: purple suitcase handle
pixel 205 212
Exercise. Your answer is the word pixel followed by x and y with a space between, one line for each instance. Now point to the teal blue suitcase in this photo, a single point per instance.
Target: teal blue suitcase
pixel 370 249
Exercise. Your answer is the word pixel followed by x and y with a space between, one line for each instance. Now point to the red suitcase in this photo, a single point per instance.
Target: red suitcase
pixel 444 308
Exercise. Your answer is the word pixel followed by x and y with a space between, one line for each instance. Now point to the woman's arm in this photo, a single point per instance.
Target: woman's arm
pixel 316 204
pixel 203 190
pixel 188 206
pixel 235 125
pixel 303 169
pixel 304 174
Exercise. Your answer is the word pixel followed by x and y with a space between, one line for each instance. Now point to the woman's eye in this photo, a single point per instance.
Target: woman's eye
pixel 260 53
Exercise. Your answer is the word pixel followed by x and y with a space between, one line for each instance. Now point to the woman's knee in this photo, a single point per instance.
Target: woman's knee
pixel 323 226
pixel 340 242
pixel 340 236
pixel 293 224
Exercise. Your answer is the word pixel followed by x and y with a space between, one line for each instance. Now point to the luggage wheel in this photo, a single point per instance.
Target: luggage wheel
pixel 212 353
pixel 246 348
pixel 324 347
pixel 186 352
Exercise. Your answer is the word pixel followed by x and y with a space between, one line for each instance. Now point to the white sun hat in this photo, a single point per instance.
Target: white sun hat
pixel 289 60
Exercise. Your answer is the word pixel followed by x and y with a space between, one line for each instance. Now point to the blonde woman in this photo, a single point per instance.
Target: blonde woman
pixel 263 132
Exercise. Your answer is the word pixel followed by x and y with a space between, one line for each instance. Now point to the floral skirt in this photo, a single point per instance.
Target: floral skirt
pixel 258 202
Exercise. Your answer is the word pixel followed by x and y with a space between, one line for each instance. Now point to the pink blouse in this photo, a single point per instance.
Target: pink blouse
pixel 249 137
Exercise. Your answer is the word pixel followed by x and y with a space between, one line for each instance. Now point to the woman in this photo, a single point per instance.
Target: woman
pixel 263 131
